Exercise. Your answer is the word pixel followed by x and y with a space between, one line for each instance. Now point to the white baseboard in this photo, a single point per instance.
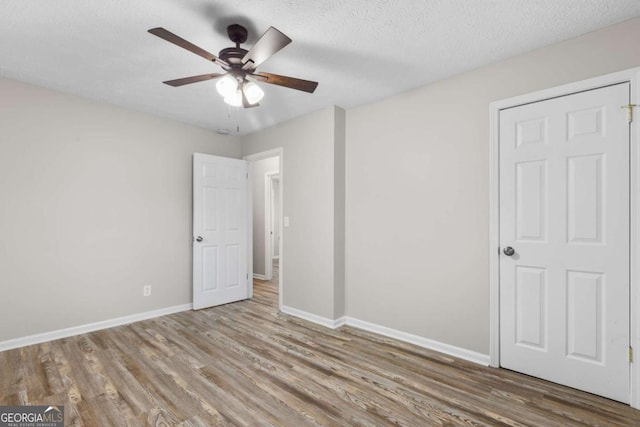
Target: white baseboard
pixel 90 327
pixel 259 276
pixel 472 356
pixel 461 353
pixel 328 323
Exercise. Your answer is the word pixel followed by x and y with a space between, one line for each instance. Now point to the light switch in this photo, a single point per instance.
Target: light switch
pixel 286 221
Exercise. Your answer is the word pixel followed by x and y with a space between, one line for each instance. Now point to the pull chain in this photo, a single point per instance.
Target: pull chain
pixel 229 116
pixel 238 119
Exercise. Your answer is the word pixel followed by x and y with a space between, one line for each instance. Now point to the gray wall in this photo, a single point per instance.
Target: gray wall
pixel 339 212
pixel 95 202
pixel 418 189
pixel 259 169
pixel 308 190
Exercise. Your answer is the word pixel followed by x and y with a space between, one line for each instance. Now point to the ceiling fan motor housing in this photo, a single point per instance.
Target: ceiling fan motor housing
pixel 233 56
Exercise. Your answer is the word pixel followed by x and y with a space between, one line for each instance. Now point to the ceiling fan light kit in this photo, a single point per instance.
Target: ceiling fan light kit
pixel 227 85
pixel 234 98
pixel 235 84
pixel 253 92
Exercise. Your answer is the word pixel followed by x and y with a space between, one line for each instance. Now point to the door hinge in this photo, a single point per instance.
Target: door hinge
pixel 629 108
pixel 247 276
pixel 630 354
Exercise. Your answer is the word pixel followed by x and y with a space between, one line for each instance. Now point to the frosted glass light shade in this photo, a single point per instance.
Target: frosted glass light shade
pixel 234 99
pixel 227 85
pixel 253 92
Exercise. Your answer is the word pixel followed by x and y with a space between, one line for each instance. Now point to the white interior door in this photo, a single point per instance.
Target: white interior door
pixel 564 210
pixel 220 230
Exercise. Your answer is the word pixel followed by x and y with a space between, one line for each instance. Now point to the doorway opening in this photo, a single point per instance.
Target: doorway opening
pixel 271 223
pixel 267 183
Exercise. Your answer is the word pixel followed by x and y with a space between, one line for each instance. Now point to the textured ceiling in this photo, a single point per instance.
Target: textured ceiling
pixel 359 50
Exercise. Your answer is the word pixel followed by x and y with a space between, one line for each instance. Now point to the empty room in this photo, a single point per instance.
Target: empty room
pixel 319 213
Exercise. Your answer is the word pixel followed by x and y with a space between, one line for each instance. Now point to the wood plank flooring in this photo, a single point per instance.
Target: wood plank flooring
pixel 246 364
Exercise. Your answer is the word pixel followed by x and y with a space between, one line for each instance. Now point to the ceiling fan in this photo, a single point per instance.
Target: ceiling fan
pixel 236 83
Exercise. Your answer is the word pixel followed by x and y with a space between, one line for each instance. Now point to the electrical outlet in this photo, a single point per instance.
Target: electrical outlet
pixel 146 290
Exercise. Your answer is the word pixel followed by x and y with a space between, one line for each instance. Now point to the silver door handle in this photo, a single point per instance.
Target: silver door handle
pixel 509 251
pixel 199 239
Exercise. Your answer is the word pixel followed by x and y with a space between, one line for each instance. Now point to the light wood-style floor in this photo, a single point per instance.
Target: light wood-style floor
pixel 247 364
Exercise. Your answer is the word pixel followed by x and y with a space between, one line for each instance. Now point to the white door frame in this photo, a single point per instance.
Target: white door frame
pixel 268 222
pixel 276 152
pixel 275 181
pixel 633 77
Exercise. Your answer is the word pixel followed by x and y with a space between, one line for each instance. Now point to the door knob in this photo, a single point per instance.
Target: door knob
pixel 508 251
pixel 199 239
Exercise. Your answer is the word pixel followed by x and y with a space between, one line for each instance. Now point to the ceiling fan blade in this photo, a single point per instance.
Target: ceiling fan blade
pixel 193 79
pixel 179 41
pixel 271 41
pixel 290 82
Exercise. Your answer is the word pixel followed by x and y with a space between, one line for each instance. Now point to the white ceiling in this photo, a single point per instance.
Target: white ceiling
pixel 358 50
